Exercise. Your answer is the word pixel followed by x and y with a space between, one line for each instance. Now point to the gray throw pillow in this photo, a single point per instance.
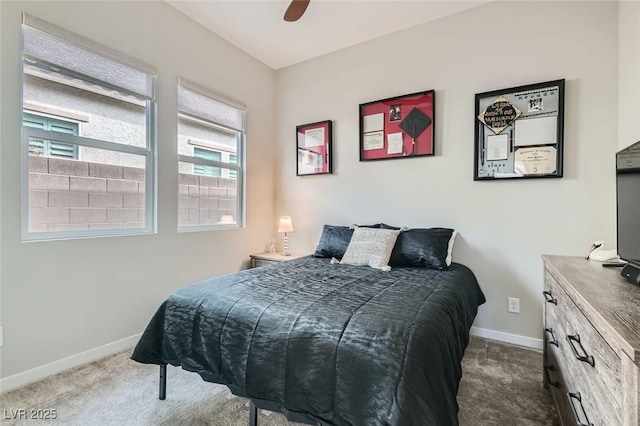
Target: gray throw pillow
pixel 371 247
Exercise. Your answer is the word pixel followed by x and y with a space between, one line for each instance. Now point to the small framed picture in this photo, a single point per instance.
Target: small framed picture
pixel 398 127
pixel 313 145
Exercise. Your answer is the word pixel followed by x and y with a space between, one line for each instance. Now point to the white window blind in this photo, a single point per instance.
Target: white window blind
pixel 54 49
pixel 200 102
pixel 212 174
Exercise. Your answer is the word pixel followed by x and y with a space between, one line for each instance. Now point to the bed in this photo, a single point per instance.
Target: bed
pixel 325 343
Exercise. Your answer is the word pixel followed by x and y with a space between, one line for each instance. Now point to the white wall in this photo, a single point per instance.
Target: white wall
pixel 504 226
pixel 628 73
pixel 62 298
pixel 1 317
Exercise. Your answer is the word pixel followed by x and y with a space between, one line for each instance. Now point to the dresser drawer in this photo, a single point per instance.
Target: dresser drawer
pixel 554 378
pixel 596 375
pixel 554 321
pixel 555 302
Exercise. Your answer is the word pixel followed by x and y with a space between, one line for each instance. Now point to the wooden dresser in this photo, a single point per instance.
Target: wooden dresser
pixel 591 342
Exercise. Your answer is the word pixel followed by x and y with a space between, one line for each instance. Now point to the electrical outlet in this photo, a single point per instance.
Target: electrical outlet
pixel 514 305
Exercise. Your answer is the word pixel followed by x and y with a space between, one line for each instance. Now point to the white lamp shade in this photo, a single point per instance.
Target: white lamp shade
pixel 285 224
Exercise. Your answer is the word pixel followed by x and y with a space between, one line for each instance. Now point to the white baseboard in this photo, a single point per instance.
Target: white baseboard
pixel 507 337
pixel 39 373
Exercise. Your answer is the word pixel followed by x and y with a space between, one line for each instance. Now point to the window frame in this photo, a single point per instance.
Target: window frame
pixel 239 167
pixel 149 151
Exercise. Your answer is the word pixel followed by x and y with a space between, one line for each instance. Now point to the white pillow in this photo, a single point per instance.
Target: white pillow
pixel 450 247
pixel 371 247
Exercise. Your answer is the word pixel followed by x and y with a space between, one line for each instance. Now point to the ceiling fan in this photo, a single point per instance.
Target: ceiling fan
pixel 296 10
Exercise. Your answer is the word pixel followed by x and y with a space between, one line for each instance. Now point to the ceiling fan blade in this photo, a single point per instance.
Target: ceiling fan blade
pixel 296 10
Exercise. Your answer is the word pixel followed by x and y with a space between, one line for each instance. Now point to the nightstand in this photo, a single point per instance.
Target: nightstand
pixel 263 259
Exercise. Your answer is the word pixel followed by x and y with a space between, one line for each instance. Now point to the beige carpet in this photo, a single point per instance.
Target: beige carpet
pixel 501 385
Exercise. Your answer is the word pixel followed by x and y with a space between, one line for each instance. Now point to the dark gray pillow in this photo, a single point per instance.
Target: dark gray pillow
pixel 428 248
pixel 335 240
pixel 385 226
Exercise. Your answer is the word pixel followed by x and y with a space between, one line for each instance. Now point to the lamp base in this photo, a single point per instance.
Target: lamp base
pixel 285 252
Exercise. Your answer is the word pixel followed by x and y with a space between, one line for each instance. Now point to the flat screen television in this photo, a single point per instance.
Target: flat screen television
pixel 628 210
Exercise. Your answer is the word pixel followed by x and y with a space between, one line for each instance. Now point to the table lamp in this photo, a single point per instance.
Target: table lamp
pixel 285 225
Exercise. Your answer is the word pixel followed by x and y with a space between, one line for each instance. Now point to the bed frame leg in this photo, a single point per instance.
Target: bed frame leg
pixel 163 382
pixel 253 414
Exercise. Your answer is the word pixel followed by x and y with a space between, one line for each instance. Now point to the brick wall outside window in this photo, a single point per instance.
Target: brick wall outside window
pixel 69 195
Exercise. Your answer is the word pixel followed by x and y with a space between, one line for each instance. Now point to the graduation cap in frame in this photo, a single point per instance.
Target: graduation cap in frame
pixel 414 124
pixel 499 115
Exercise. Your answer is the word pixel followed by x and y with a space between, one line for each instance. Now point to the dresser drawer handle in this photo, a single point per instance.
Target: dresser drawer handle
pixel 549 298
pixel 584 358
pixel 552 340
pixel 578 398
pixel 548 368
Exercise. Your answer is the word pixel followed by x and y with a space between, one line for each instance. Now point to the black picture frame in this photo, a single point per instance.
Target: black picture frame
pixel 398 127
pixel 314 148
pixel 519 132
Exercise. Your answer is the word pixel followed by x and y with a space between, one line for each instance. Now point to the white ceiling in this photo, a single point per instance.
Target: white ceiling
pixel 258 27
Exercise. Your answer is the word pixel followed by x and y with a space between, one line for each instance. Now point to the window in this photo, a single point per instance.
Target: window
pixel 211 143
pixel 103 181
pixel 211 154
pixel 46 148
pixel 207 154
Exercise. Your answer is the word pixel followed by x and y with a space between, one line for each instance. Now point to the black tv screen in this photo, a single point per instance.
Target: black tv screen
pixel 628 203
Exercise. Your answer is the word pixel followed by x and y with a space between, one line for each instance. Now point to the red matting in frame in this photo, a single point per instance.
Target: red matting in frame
pixel 313 143
pixel 398 127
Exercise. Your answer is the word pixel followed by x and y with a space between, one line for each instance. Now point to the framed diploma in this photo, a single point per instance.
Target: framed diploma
pixel 313 143
pixel 519 132
pixel 398 127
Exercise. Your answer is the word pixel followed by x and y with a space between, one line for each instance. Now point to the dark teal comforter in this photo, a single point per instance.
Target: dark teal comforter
pixel 326 344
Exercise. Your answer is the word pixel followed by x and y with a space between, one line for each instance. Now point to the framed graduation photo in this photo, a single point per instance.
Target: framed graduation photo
pixel 313 142
pixel 398 127
pixel 519 132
